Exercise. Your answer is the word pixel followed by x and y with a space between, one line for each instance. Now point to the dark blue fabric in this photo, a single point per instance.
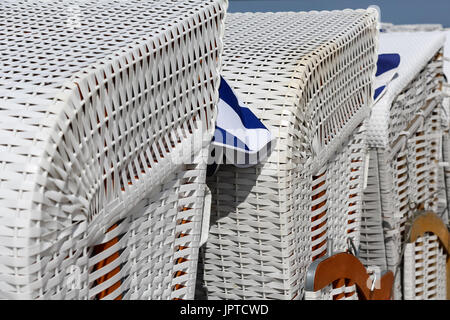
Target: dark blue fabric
pixel 220 135
pixel 378 91
pixel 249 120
pixel 386 62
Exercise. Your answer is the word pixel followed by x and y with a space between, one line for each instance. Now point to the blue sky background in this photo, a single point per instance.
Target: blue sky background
pixel 394 11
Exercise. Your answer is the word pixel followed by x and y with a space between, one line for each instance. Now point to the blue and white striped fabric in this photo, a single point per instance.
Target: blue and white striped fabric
pixel 387 66
pixel 243 138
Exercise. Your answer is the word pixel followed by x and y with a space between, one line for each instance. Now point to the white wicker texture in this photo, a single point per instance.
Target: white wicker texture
pixel 417 283
pixel 446 168
pixel 397 107
pixel 443 174
pixel 345 185
pixel 389 27
pixel 407 182
pixel 344 196
pixel 308 77
pixel 446 122
pixel 100 102
pixel 408 168
pixel 439 31
pixel 156 249
pixel 372 251
pixel 331 293
pixel 424 274
pixel 447 54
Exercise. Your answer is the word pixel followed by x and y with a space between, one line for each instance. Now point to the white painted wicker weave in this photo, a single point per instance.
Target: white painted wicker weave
pixel 424 275
pixel 444 189
pixel 339 219
pixel 308 77
pixel 330 293
pixel 100 104
pixel 389 27
pixel 404 135
pixel 346 181
pixel 372 251
pixel 446 166
pixel 407 181
pixel 446 122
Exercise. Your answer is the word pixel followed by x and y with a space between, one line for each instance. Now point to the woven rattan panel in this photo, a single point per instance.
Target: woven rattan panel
pixel 335 206
pixel 424 275
pixel 372 250
pixel 405 106
pixel 408 183
pixel 100 103
pixel 345 178
pixel 153 252
pixel 308 77
pixel 344 193
pixel 408 174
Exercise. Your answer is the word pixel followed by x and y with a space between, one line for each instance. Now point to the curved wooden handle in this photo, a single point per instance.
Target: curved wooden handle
pixel 343 265
pixel 431 222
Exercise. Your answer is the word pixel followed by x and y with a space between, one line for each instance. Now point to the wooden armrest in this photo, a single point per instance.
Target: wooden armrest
pixel 325 271
pixel 430 222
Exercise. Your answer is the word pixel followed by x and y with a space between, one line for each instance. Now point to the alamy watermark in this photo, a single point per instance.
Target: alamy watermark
pixel 225 149
pixel 224 310
pixel 74 19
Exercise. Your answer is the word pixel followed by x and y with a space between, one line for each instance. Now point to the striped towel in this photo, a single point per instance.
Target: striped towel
pixel 239 135
pixel 387 66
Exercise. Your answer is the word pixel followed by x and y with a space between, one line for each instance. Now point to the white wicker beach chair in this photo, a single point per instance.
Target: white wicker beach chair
pixel 102 106
pixel 444 188
pixel 308 77
pixel 404 136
